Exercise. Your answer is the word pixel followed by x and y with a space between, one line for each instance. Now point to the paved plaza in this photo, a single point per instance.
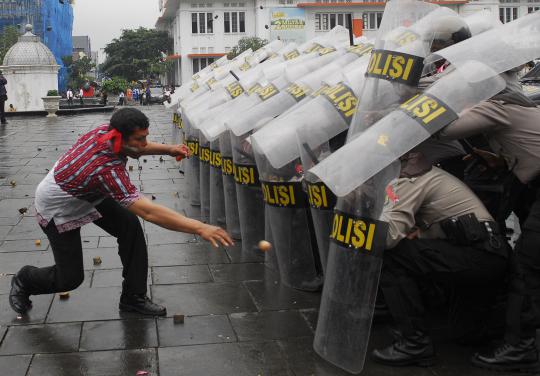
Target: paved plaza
pixel 239 320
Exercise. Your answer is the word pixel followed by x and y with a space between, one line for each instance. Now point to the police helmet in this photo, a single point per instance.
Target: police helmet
pixel 447 31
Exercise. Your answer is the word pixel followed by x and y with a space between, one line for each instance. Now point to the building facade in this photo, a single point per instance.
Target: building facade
pixel 52 21
pixel 204 30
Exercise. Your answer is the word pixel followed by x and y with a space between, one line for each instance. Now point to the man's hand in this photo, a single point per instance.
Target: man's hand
pixel 215 235
pixel 492 160
pixel 179 151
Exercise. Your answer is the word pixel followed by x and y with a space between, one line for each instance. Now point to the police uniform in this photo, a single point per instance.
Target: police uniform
pixel 458 244
pixel 510 122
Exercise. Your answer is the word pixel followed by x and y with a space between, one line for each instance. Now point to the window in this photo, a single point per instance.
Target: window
pixel 234 22
pixel 532 9
pixel 507 14
pixel 372 20
pixel 202 23
pixel 327 21
pixel 201 63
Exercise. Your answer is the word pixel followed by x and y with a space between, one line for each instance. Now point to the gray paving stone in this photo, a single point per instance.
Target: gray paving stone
pixel 119 335
pixel 49 338
pixel 10 207
pixel 4 230
pixel 311 316
pixel 109 258
pixel 110 277
pixel 269 325
pixel 25 245
pixel 90 242
pixel 17 364
pixel 170 237
pixel 239 359
pixel 11 263
pixel 203 299
pixel 86 305
pixel 238 256
pixel 107 242
pixel 303 361
pixel 185 254
pixel 270 295
pixel 196 330
pixel 238 272
pixel 167 275
pixel 99 363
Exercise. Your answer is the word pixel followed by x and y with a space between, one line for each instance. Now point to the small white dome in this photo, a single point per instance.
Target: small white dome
pixel 29 51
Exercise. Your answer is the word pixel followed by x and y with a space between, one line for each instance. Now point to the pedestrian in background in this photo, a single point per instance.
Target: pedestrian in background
pixel 69 96
pixel 3 98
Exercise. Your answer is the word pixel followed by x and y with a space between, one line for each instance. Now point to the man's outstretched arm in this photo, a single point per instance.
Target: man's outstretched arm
pixel 169 219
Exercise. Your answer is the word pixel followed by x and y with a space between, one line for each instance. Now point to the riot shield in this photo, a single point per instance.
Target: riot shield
pixel 358 235
pixel 294 93
pixel 413 122
pixel 357 241
pixel 331 109
pixel 321 200
pixel 193 170
pixel 229 186
pixel 501 48
pixel 270 258
pixel 287 207
pixel 248 194
pixel 217 198
pixel 204 171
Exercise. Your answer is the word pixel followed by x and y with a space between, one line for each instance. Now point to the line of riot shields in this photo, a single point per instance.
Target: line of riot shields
pixel 296 144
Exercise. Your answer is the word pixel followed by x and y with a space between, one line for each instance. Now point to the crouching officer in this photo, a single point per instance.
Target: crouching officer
pixel 438 231
pixel 510 121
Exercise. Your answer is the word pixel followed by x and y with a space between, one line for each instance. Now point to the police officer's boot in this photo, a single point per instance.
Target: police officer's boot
pixel 416 349
pixel 520 357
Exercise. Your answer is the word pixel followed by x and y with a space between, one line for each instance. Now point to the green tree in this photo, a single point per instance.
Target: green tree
pixel 8 38
pixel 246 43
pixel 78 70
pixel 114 85
pixel 137 53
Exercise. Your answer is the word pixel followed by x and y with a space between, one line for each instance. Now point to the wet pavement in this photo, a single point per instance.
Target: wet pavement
pixel 239 320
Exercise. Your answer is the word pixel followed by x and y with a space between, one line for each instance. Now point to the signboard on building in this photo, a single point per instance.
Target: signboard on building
pixel 289 24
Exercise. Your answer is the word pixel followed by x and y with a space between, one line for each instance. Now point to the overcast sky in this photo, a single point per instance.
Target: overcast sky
pixel 103 20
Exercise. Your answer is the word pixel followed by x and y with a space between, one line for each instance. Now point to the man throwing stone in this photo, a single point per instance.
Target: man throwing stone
pixel 89 183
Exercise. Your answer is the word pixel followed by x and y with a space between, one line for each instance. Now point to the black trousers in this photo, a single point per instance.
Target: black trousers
pixel 413 263
pixel 68 272
pixel 523 309
pixel 2 111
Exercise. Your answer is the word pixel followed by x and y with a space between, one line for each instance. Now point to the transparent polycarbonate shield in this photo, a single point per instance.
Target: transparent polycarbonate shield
pixel 501 48
pixel 204 171
pixel 229 186
pixel 185 90
pixel 215 125
pixel 270 258
pixel 320 199
pixel 481 21
pixel 248 194
pixel 295 92
pixel 397 61
pixel 357 241
pixel 287 210
pixel 193 169
pixel 404 128
pixel 217 197
pixel 331 110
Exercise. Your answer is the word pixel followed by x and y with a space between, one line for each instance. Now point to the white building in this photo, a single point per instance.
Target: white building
pixel 204 30
pixel 30 70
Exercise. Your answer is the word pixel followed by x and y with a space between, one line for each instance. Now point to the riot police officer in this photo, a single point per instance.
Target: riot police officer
pixel 510 123
pixel 438 231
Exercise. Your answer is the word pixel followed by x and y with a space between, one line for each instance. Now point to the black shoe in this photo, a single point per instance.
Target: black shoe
pixel 415 350
pixel 141 304
pixel 19 296
pixel 520 357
